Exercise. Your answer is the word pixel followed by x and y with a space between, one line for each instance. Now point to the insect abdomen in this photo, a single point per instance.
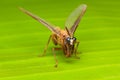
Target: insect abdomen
pixel 54 39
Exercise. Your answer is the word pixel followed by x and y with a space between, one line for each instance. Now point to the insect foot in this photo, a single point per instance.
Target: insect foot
pixel 76 57
pixel 56 66
pixel 41 55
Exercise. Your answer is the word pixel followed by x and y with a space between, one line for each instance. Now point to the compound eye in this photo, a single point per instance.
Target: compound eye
pixel 68 39
pixel 74 39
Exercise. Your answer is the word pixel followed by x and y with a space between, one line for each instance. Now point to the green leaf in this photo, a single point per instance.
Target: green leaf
pixel 22 39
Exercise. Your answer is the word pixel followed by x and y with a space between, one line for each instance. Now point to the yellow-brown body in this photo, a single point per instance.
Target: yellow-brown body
pixel 61 41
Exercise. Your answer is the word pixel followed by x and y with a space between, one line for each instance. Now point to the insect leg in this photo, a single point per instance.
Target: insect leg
pixel 45 49
pixel 75 51
pixel 56 61
pixel 59 48
pixel 67 51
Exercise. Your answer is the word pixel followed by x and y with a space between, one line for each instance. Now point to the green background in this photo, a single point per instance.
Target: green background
pixel 22 39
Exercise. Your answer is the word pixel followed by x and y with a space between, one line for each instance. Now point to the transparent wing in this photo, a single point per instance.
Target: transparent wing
pixel 45 23
pixel 74 18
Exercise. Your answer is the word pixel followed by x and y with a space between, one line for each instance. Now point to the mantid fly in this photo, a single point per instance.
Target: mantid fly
pixel 65 38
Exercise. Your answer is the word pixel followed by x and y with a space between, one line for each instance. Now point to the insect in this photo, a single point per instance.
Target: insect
pixel 65 38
